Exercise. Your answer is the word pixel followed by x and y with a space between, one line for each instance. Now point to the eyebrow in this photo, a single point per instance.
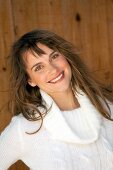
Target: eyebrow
pixel 39 62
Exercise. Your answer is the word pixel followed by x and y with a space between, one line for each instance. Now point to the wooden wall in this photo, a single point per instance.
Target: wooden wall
pixel 86 23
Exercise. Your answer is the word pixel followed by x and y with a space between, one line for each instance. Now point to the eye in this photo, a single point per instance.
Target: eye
pixel 55 55
pixel 38 67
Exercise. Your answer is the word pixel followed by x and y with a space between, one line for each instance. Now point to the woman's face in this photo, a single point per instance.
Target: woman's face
pixel 50 72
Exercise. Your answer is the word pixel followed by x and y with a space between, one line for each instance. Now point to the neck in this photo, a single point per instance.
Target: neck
pixel 65 100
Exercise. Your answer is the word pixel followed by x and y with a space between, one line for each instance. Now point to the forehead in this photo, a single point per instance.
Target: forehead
pixel 44 48
pixel 33 55
pixel 38 50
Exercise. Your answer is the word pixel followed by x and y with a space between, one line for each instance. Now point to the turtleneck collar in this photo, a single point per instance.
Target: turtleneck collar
pixel 88 119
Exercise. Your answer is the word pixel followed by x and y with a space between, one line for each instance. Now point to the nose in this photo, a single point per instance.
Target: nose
pixel 52 68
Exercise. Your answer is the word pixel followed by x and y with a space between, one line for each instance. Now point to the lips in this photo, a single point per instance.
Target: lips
pixel 57 78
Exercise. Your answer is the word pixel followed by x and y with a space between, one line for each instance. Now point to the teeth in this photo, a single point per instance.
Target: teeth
pixel 58 78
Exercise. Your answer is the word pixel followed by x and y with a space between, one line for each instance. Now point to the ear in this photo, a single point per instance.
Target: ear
pixel 31 83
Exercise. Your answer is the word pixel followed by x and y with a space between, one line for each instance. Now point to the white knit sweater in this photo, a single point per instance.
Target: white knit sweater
pixel 70 140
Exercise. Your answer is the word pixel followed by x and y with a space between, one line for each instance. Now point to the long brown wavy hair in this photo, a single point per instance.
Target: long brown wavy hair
pixel 26 99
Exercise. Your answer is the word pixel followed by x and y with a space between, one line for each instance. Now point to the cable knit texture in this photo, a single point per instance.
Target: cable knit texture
pixel 69 140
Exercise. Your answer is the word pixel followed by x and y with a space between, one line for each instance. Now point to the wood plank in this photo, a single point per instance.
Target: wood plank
pixel 93 32
pixel 39 14
pixel 7 37
pixel 109 9
pixel 19 166
pixel 6 27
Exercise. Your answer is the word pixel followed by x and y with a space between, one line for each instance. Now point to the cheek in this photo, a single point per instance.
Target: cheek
pixel 40 79
pixel 64 62
pixel 66 65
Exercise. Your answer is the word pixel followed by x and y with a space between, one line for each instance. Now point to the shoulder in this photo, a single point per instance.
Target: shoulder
pixel 107 127
pixel 110 111
pixel 19 125
pixel 12 127
pixel 111 108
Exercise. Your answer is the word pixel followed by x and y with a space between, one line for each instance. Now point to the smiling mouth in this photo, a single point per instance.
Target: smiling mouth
pixel 57 79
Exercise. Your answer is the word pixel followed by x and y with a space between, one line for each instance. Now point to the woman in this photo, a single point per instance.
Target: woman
pixel 63 118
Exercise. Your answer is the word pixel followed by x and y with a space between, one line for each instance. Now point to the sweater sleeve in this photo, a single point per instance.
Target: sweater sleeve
pixel 10 144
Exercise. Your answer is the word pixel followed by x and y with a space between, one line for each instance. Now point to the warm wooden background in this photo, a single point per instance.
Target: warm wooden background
pixel 86 23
